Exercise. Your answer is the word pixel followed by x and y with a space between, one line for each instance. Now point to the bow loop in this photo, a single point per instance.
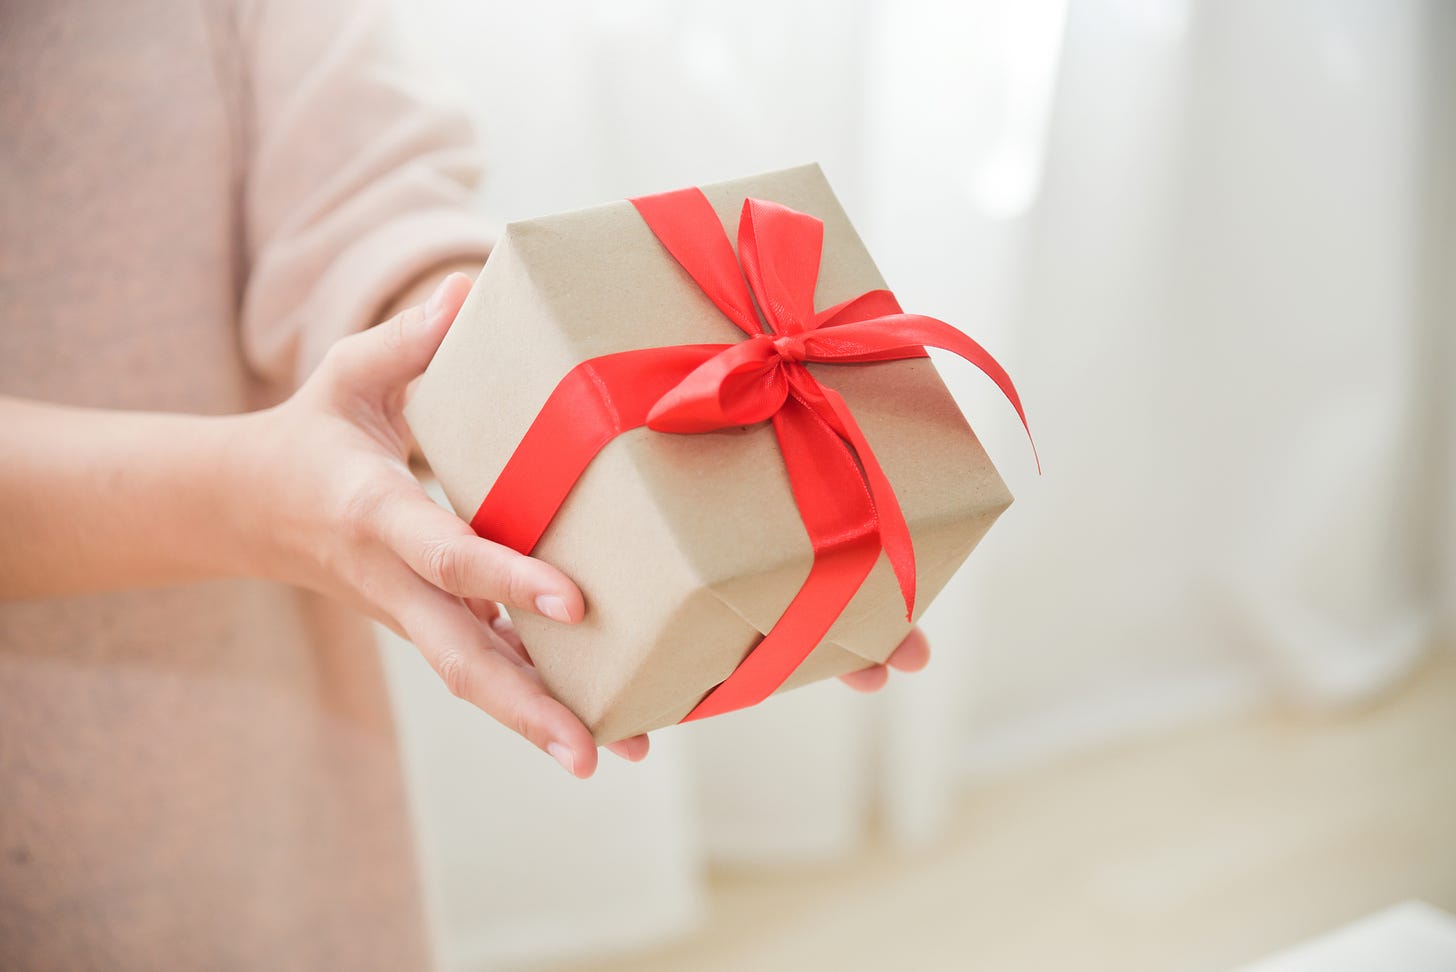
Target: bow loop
pixel 780 249
pixel 740 385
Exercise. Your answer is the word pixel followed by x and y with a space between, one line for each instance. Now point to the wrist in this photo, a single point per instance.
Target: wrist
pixel 239 514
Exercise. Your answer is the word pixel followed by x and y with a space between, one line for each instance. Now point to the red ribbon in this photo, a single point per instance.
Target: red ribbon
pixel 847 504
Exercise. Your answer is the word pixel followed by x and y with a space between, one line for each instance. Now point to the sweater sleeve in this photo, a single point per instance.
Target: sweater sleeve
pixel 358 179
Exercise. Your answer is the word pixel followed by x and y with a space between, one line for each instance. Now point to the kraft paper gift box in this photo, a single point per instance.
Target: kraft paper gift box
pixel 687 547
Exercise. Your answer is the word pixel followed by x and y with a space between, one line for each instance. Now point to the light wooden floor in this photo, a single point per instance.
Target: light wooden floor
pixel 1197 851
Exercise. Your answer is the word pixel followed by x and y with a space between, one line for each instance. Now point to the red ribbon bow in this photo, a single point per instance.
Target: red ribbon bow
pixel 847 504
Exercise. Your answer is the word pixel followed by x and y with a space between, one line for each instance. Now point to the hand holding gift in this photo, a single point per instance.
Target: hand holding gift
pixel 330 468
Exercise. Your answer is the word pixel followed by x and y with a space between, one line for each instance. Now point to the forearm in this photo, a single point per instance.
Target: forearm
pixel 97 500
pixel 93 500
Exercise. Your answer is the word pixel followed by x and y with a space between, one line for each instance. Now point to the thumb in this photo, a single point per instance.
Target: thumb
pixel 387 356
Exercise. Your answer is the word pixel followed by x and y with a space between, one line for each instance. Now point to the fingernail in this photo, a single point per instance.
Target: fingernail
pixel 553 607
pixel 432 306
pixel 562 755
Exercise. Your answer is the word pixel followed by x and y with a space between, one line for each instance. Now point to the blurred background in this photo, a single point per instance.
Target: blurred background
pixel 1194 699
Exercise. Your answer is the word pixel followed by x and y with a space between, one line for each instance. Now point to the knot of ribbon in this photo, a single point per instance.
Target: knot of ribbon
pixel 847 504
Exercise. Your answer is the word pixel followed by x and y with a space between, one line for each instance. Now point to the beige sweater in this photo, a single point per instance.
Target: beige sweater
pixel 195 200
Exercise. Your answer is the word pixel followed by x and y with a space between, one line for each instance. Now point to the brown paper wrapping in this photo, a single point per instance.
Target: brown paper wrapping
pixel 687 548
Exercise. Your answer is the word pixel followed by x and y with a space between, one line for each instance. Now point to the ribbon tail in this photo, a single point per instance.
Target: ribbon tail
pixel 894 531
pixel 598 400
pixel 958 343
pixel 841 523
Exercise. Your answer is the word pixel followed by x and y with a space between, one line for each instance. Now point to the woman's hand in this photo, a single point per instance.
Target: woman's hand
pixel 910 655
pixel 330 504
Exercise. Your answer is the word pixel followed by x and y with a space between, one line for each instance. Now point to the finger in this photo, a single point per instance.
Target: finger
pixel 485 611
pixel 913 653
pixel 503 634
pixel 460 651
pixel 633 750
pixel 505 629
pixel 387 356
pixel 870 679
pixel 442 549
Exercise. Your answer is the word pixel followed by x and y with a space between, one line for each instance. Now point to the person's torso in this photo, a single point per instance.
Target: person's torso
pixel 202 776
pixel 120 253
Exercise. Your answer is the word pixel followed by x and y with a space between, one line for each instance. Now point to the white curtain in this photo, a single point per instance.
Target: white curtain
pixel 1211 242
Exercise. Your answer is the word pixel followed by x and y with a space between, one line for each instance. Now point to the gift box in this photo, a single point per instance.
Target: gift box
pixel 742 455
